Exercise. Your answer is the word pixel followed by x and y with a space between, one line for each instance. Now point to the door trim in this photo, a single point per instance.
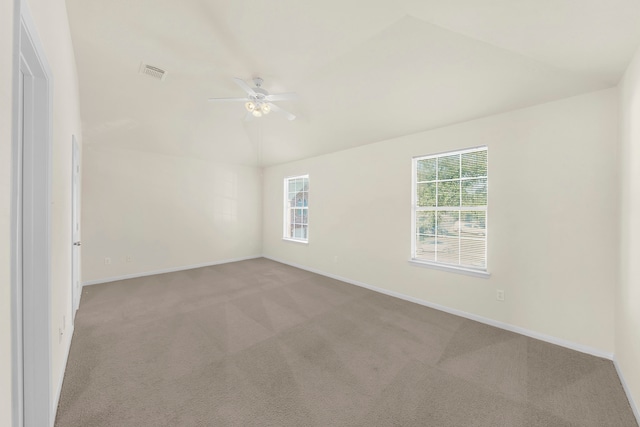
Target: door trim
pixel 31 240
pixel 76 288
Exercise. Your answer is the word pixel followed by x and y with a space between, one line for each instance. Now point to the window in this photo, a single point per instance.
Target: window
pixel 296 208
pixel 449 224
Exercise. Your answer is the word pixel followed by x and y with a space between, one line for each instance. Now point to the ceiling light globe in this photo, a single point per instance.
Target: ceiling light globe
pixel 250 106
pixel 266 109
pixel 256 113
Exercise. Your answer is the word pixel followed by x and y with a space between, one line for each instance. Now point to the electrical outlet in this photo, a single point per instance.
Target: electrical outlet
pixel 499 294
pixel 129 258
pixel 60 335
pixel 335 259
pixel 107 261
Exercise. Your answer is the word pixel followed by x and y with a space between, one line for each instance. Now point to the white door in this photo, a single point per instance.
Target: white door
pixel 75 224
pixel 31 232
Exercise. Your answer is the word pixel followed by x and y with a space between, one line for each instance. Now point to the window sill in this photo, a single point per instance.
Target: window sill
pixel 303 242
pixel 450 268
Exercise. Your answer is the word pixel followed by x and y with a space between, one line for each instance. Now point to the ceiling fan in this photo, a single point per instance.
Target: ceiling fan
pixel 258 101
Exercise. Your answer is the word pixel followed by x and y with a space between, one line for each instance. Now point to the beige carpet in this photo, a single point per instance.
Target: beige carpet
pixel 258 343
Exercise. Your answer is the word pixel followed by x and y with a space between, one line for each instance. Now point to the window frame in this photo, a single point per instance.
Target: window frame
pixel 439 265
pixel 287 209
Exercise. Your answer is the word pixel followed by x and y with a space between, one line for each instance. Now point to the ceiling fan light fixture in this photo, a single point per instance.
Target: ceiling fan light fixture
pixel 258 101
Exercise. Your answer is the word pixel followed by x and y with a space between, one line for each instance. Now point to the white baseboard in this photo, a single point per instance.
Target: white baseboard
pixel 56 397
pixel 632 403
pixel 532 334
pixel 167 270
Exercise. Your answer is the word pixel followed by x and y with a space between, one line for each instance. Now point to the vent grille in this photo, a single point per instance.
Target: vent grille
pixel 155 72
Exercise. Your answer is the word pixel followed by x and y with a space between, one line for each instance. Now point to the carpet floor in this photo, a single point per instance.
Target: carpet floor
pixel 259 343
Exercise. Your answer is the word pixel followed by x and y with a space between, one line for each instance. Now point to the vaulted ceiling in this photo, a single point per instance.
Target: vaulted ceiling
pixel 365 70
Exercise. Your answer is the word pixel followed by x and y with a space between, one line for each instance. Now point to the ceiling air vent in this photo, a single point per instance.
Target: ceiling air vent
pixel 155 72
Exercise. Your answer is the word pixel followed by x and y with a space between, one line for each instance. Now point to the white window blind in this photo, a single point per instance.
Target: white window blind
pixel 450 208
pixel 296 208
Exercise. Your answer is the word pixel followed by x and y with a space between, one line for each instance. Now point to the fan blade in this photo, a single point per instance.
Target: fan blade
pixel 287 114
pixel 244 86
pixel 228 99
pixel 282 96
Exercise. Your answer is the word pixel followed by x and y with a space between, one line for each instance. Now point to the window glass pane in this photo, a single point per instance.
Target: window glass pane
pixel 305 218
pixel 426 169
pixel 449 193
pixel 292 217
pixel 448 223
pixel 474 164
pixel 426 247
pixel 447 250
pixel 426 222
pixel 473 224
pixel 305 199
pixel 474 192
pixel 472 252
pixel 299 232
pixel 427 194
pixel 305 184
pixel 292 185
pixel 449 167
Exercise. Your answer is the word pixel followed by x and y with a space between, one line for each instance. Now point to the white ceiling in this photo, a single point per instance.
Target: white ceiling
pixel 365 70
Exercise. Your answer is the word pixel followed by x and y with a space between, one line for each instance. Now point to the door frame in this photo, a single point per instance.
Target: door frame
pixel 31 226
pixel 76 253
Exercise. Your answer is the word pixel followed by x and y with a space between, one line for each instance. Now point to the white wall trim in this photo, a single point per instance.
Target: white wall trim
pixel 522 331
pixel 56 397
pixel 632 403
pixel 17 404
pixel 167 270
pixel 450 268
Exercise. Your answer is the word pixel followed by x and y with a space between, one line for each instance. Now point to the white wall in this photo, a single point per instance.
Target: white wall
pixel 628 293
pixel 553 207
pixel 164 212
pixel 6 79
